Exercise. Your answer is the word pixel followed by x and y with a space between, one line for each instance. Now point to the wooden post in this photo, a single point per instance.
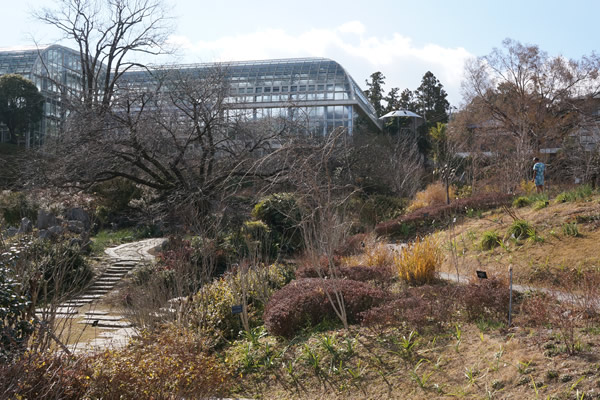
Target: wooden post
pixel 510 272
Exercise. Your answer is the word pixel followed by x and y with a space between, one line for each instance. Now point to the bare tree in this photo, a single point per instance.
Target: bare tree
pixel 108 35
pixel 527 95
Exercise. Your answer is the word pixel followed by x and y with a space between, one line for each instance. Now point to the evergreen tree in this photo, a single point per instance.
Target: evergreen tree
pixel 392 100
pixel 431 100
pixel 407 101
pixel 375 92
pixel 21 105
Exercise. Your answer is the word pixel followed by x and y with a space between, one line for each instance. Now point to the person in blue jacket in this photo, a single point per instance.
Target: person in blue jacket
pixel 538 174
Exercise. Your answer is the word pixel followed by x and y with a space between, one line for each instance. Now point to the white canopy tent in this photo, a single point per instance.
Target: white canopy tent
pixel 403 113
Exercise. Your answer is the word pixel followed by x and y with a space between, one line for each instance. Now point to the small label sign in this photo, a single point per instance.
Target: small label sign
pixel 236 309
pixel 481 274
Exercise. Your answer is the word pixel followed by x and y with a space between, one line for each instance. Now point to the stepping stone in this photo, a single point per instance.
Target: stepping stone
pixel 89 297
pixel 108 324
pixel 91 319
pixel 76 303
pixel 97 313
pixel 66 310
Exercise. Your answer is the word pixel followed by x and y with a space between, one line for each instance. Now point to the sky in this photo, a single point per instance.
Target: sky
pixel 402 39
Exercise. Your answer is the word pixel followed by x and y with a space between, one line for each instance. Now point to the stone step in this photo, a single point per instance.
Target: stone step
pixel 107 324
pixel 76 302
pixel 89 297
pixel 97 313
pixel 109 279
pixel 92 318
pixel 62 310
pixel 129 263
pixel 98 291
pixel 116 271
pixel 99 287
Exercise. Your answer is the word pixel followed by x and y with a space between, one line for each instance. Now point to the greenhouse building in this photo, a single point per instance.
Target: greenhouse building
pixel 317 90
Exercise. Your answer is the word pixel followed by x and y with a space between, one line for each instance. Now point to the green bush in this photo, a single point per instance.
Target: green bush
pixel 490 240
pixel 521 201
pixel 62 268
pixel 14 326
pixel 114 197
pixel 254 240
pixel 211 312
pixel 521 229
pixel 282 214
pixel 582 192
pixel 378 208
pixel 16 205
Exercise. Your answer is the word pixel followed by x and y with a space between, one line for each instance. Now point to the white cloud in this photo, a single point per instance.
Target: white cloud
pixel 396 56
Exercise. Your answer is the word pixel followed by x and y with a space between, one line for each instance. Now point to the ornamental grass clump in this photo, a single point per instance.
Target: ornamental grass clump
pixel 490 240
pixel 418 263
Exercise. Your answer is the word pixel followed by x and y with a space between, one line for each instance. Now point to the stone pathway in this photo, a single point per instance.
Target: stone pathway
pixel 116 329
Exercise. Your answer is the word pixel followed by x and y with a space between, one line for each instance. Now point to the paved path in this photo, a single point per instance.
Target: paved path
pixel 116 329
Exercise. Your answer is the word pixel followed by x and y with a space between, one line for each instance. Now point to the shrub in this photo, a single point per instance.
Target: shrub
pixel 410 223
pixel 521 201
pixel 114 197
pixel 15 328
pixel 172 363
pixel 375 254
pixel 417 308
pixel 57 269
pixel 521 229
pixel 528 187
pixel 379 208
pixel 353 245
pixel 434 194
pixel 304 303
pixel 485 299
pixel 210 310
pixel 16 205
pixel 490 240
pixel 418 263
pixel 580 193
pixel 254 239
pixel 381 275
pixel 280 211
pixel 44 375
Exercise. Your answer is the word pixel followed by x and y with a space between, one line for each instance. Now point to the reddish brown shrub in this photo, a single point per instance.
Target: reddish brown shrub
pixel 380 275
pixel 409 223
pixel 417 308
pixel 43 376
pixel 304 303
pixel 485 298
pixel 353 245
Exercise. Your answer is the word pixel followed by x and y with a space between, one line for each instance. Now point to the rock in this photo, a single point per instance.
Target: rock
pixel 11 231
pixel 45 219
pixel 79 214
pixel 76 226
pixel 55 230
pixel 26 225
pixel 44 234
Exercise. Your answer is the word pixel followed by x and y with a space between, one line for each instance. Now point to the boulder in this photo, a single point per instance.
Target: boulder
pixel 26 225
pixel 76 226
pixel 79 214
pixel 55 230
pixel 45 219
pixel 11 231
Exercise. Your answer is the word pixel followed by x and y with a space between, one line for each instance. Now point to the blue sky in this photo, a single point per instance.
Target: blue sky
pixel 402 39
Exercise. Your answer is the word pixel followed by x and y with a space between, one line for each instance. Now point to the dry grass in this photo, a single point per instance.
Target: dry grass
pixel 533 262
pixel 375 254
pixel 434 194
pixel 419 262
